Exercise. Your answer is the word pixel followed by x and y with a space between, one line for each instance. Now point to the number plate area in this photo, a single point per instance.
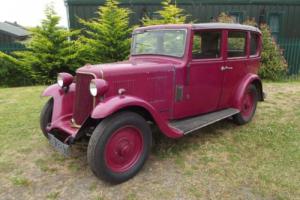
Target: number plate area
pixel 59 145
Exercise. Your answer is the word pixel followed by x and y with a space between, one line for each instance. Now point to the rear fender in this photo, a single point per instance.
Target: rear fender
pixel 117 103
pixel 62 100
pixel 249 79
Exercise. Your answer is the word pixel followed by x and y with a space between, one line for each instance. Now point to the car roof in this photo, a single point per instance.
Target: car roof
pixel 201 26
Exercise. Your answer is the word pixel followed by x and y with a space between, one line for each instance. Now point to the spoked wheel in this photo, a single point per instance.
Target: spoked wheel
pixel 248 106
pixel 46 116
pixel 119 147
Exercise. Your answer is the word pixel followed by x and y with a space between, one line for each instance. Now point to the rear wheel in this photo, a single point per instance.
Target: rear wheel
pixel 248 106
pixel 119 147
pixel 46 116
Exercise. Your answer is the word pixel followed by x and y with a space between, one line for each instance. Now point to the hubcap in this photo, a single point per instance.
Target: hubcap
pixel 248 104
pixel 123 149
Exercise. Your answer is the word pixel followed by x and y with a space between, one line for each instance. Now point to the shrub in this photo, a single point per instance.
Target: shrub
pixel 50 50
pixel 11 73
pixel 170 14
pixel 273 64
pixel 106 38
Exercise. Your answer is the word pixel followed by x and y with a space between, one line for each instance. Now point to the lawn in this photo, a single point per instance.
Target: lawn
pixel 260 160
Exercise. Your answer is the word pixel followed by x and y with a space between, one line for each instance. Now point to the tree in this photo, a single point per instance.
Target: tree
pixel 49 50
pixel 106 38
pixel 273 63
pixel 170 14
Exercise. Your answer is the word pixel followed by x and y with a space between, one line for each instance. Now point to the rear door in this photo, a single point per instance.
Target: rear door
pixel 235 67
pixel 205 75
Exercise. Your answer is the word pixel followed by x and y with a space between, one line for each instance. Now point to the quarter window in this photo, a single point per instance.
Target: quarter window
pixel 237 44
pixel 254 44
pixel 206 45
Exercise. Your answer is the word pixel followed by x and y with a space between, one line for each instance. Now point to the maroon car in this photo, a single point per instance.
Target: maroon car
pixel 179 77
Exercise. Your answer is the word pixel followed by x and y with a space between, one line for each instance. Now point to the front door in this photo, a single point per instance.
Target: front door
pixel 235 67
pixel 205 75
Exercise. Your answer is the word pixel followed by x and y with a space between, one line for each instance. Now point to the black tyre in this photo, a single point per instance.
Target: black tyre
pixel 46 116
pixel 119 147
pixel 248 106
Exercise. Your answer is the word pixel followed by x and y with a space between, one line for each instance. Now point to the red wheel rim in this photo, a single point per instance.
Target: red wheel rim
pixel 123 149
pixel 248 104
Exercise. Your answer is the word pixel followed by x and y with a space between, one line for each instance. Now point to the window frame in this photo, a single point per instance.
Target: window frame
pixel 221 45
pixel 162 29
pixel 246 44
pixel 279 15
pixel 258 49
pixel 238 14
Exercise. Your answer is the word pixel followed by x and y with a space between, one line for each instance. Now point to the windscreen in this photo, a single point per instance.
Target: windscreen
pixel 159 42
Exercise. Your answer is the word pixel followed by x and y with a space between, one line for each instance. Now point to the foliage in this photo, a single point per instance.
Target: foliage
pixel 224 18
pixel 273 64
pixel 106 38
pixel 11 73
pixel 170 14
pixel 50 50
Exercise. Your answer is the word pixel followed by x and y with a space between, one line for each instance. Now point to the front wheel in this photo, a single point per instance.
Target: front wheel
pixel 46 116
pixel 248 106
pixel 119 147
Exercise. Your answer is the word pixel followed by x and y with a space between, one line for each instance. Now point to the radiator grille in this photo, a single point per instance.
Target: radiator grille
pixel 83 99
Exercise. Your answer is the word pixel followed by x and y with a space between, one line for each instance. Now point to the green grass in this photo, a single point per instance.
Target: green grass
pixel 260 160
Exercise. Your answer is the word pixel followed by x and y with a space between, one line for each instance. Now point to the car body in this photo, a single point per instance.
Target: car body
pixel 178 77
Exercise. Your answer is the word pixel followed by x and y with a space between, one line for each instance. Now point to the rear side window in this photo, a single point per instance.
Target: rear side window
pixel 237 44
pixel 206 45
pixel 254 44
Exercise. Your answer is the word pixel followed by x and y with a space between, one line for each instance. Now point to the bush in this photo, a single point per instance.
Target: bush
pixel 107 38
pixel 11 73
pixel 273 64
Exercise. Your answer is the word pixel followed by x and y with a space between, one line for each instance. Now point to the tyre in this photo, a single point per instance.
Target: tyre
pixel 46 116
pixel 119 147
pixel 248 106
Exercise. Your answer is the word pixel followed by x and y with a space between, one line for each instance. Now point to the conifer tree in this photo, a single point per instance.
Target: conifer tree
pixel 49 50
pixel 170 14
pixel 106 38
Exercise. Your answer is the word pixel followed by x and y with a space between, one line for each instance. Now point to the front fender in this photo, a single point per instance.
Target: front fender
pixel 62 101
pixel 249 79
pixel 116 103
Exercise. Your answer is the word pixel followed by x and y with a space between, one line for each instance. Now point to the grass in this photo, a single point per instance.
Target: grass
pixel 260 160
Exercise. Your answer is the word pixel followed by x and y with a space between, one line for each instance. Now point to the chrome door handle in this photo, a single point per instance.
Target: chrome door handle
pixel 224 68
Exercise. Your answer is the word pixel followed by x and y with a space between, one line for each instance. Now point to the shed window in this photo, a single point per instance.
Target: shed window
pixel 254 44
pixel 274 23
pixel 206 44
pixel 237 44
pixel 237 16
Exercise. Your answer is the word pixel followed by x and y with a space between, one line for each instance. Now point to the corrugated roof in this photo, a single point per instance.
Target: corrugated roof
pixel 12 29
pixel 189 1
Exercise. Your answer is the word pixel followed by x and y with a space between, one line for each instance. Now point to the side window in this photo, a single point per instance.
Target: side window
pixel 254 44
pixel 236 44
pixel 206 45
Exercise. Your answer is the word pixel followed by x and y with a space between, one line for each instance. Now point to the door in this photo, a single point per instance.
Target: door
pixel 205 76
pixel 235 67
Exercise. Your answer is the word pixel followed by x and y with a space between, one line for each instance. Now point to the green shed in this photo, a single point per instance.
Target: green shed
pixel 282 17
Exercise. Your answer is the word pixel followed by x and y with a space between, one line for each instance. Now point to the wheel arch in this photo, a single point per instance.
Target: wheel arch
pixel 249 79
pixel 130 103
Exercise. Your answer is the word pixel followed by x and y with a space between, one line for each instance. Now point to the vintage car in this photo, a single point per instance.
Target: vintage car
pixel 178 77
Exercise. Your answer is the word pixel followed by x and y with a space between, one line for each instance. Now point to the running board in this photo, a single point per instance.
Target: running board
pixel 191 124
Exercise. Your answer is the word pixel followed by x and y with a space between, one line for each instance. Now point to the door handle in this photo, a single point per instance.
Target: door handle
pixel 224 68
